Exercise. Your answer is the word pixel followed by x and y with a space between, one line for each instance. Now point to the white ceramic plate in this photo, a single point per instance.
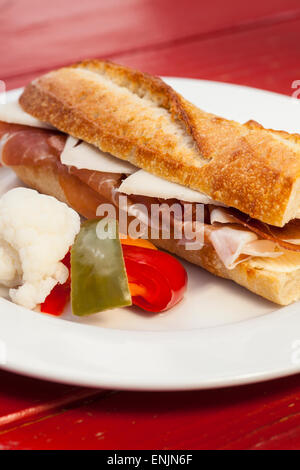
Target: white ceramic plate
pixel 220 335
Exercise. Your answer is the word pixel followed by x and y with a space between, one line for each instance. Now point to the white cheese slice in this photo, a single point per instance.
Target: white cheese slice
pixel 143 183
pixel 87 157
pixel 220 216
pixel 14 114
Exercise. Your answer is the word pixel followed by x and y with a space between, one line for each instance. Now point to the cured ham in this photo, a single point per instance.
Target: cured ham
pixel 234 235
pixel 28 146
pixel 287 237
pixel 24 145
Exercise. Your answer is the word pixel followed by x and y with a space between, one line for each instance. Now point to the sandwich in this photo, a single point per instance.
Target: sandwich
pixel 95 131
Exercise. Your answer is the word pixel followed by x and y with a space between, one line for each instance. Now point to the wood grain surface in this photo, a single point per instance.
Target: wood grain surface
pixel 256 44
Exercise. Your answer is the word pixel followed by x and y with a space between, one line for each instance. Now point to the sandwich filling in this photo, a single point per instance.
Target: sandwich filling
pixel 89 177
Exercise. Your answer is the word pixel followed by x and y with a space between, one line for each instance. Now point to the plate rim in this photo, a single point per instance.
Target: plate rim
pixel 259 326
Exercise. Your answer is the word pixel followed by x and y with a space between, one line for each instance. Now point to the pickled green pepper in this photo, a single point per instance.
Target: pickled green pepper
pixel 98 276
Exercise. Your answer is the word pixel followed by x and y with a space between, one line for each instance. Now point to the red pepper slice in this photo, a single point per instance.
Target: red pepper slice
pixel 157 281
pixel 56 301
pixel 58 298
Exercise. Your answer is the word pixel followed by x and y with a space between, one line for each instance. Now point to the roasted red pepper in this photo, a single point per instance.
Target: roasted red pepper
pixel 157 281
pixel 58 298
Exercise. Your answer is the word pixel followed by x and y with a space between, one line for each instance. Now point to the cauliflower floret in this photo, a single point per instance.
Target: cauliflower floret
pixel 38 230
pixel 31 294
pixel 10 266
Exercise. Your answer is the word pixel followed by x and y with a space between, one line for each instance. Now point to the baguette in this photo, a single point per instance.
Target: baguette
pixel 279 287
pixel 139 118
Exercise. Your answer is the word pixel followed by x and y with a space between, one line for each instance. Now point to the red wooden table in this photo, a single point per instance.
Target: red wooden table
pixel 255 43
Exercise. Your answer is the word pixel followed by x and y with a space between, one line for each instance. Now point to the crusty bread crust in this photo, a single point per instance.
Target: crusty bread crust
pixel 281 288
pixel 139 118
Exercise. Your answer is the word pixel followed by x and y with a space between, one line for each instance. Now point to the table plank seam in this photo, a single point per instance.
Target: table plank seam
pixel 236 29
pixel 264 427
pixel 73 400
pixel 264 22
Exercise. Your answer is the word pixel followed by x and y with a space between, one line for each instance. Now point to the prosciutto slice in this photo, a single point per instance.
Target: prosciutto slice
pixel 287 237
pixel 24 145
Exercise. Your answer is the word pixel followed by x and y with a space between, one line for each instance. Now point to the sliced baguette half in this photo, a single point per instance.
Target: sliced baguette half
pixel 139 118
